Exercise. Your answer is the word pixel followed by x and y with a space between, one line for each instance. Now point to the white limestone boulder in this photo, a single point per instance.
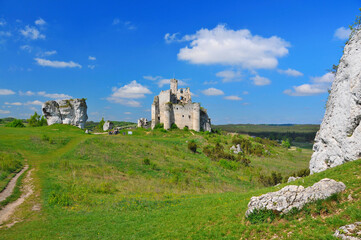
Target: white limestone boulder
pixel 108 125
pixel 349 232
pixel 339 138
pixel 293 196
pixel 71 111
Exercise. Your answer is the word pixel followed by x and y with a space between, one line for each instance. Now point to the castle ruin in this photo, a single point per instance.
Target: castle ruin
pixel 175 106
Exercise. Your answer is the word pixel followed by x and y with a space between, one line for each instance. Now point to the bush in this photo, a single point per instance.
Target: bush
pixel 174 126
pixel 36 121
pixel 15 123
pixel 192 145
pixel 231 165
pixel 99 127
pixel 146 161
pixel 272 180
pixel 286 143
pixel 185 128
pixel 159 126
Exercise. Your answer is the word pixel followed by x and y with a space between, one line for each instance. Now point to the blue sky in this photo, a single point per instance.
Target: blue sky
pixel 245 61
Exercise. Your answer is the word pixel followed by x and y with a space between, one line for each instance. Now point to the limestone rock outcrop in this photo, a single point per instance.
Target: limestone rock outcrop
pixel 108 125
pixel 292 196
pixel 236 149
pixel 71 111
pixel 349 232
pixel 291 179
pixel 143 123
pixel 339 138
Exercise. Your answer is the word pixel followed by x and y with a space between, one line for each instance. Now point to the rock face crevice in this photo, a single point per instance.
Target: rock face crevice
pixel 339 138
pixel 71 111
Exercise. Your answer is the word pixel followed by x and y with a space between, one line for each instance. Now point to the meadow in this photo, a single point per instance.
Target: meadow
pixel 149 185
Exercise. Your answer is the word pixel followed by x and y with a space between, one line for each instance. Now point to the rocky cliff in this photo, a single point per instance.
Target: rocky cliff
pixel 72 111
pixel 339 138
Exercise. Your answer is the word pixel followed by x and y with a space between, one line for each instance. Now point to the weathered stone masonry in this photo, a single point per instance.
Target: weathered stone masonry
pixel 175 106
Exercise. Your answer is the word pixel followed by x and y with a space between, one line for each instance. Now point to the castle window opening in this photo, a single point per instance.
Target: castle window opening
pixel 181 91
pixel 189 116
pixel 182 115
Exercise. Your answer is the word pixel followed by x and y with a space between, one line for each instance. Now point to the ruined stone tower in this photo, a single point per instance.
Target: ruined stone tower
pixel 175 106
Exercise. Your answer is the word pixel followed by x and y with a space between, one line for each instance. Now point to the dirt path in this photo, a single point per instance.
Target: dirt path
pixel 11 185
pixel 27 190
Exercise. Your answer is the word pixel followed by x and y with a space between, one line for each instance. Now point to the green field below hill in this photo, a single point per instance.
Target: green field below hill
pixel 149 185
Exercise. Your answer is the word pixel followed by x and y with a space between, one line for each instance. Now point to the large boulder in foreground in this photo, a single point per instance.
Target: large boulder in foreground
pixel 71 111
pixel 293 196
pixel 339 138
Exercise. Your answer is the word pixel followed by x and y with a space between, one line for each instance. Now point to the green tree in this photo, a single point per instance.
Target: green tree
pixel 37 121
pixel 100 125
pixel 15 123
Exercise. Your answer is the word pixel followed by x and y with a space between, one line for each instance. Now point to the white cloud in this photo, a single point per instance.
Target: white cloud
pixel 26 48
pixel 6 92
pixel 290 72
pixel 2 22
pixel 56 64
pixel 5 34
pixel 14 103
pixel 245 93
pixel 92 58
pixel 260 81
pixel 116 21
pixel 212 92
pixel 4 111
pixel 232 47
pixel 210 82
pixel 49 53
pixel 318 85
pixel 326 78
pixel 160 81
pixel 36 102
pixel 91 66
pixel 127 113
pixel 27 93
pixel 234 98
pixel 129 25
pixel 54 95
pixel 40 22
pixel 152 78
pixel 125 95
pixel 32 33
pixel 229 76
pixel 342 33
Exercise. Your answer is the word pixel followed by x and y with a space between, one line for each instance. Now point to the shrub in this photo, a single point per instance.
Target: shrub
pixel 186 128
pixel 159 126
pixel 174 126
pixel 261 216
pixel 15 123
pixel 100 125
pixel 36 121
pixel 231 165
pixel 192 145
pixel 272 180
pixel 146 161
pixel 286 143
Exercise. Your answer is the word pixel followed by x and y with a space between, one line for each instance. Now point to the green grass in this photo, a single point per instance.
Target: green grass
pixel 100 187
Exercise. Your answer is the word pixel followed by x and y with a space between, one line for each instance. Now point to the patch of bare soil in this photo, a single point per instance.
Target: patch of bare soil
pixel 27 190
pixel 11 185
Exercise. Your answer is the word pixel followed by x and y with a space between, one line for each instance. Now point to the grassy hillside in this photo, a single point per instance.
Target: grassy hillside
pixel 149 185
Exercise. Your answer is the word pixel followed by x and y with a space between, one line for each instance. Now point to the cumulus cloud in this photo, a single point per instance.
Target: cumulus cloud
pixel 127 24
pixel 56 64
pixel 342 33
pixel 49 53
pixel 6 92
pixel 290 72
pixel 125 95
pixel 229 76
pixel 4 111
pixel 54 95
pixel 210 82
pixel 231 47
pixel 245 92
pixel 5 34
pixel 233 98
pixel 36 102
pixel 91 66
pixel 260 81
pixel 13 103
pixel 32 33
pixel 318 85
pixel 27 93
pixel 92 58
pixel 26 48
pixel 160 81
pixel 40 22
pixel 213 92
